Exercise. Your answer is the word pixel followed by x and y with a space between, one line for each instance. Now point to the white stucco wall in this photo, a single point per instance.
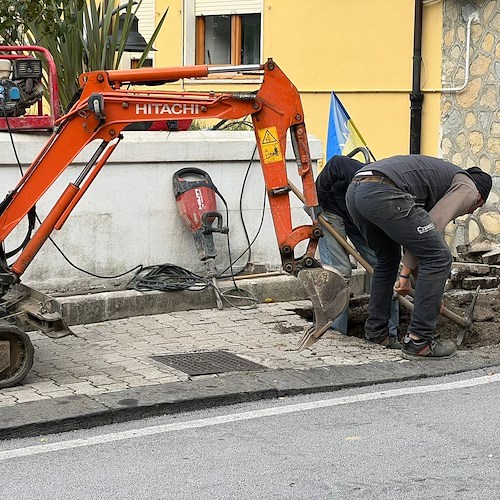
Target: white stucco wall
pixel 129 215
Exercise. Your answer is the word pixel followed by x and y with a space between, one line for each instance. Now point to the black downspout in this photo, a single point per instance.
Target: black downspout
pixel 416 96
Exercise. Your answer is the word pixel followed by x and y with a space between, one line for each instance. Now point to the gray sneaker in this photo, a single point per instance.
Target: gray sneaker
pixel 428 349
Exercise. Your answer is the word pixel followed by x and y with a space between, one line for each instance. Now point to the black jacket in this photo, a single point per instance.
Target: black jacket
pixel 425 177
pixel 331 186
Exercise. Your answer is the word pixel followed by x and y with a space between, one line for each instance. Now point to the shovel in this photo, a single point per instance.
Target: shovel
pixel 329 295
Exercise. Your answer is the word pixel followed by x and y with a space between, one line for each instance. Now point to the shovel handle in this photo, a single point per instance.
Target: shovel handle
pixel 456 318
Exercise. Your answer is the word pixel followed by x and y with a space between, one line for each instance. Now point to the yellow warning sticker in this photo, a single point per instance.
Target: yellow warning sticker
pixel 269 145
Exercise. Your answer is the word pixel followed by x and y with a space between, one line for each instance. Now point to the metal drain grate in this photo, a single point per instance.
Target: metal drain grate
pixel 207 363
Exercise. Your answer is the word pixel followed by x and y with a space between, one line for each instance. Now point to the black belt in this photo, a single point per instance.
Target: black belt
pixel 373 178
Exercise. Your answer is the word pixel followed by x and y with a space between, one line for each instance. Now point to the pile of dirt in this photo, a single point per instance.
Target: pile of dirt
pixel 484 331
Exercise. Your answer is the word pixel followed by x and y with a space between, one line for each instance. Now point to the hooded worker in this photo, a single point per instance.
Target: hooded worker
pixel 408 201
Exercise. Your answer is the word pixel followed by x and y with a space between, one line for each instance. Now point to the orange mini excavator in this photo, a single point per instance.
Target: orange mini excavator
pixel 103 107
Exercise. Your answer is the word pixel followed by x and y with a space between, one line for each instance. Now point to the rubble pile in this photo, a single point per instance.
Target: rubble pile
pixel 478 265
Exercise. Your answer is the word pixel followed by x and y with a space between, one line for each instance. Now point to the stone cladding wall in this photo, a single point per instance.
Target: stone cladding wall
pixel 470 134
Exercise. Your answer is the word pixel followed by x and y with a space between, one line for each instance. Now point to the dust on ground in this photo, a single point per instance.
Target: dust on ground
pixel 484 331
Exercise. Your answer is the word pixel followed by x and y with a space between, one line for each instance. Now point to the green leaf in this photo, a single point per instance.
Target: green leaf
pixel 153 39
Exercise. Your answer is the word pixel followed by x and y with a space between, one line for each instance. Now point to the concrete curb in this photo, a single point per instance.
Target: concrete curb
pixel 79 411
pixel 96 307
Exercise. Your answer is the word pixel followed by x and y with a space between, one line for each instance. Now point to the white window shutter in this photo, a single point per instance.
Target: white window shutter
pixel 217 7
pixel 146 16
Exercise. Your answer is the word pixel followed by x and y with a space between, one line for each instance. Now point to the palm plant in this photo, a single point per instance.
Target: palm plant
pixel 83 36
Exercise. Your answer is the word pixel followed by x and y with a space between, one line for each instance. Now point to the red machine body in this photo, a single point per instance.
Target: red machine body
pixel 195 195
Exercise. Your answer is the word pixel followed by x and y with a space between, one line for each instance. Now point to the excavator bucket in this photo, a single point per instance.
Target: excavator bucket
pixel 329 295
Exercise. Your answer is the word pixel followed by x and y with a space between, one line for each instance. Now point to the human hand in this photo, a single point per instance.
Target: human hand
pixel 403 286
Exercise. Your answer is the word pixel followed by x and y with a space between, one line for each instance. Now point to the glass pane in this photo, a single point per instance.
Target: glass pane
pixel 217 39
pixel 250 39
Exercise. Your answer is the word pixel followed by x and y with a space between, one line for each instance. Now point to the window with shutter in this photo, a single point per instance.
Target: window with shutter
pixel 220 32
pixel 146 15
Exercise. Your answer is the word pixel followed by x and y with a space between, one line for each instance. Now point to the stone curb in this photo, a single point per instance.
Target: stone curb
pixel 78 412
pixel 96 307
pixel 103 306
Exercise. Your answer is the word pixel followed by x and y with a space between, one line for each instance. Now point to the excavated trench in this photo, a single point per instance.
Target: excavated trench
pixel 484 331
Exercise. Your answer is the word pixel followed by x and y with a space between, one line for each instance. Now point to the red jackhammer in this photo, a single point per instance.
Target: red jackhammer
pixel 195 196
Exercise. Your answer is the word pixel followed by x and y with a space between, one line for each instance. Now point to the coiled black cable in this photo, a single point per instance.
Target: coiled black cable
pixel 167 278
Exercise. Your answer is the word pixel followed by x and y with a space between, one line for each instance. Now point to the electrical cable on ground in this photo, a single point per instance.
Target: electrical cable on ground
pixel 167 277
pixel 172 278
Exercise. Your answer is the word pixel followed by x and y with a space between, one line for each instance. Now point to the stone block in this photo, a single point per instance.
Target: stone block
pixel 473 252
pixel 460 270
pixel 493 256
pixel 485 282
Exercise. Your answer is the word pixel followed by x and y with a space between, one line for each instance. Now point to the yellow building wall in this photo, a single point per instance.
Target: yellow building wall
pixel 169 42
pixel 361 49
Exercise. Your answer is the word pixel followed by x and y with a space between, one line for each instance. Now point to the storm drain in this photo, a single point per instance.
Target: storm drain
pixel 208 363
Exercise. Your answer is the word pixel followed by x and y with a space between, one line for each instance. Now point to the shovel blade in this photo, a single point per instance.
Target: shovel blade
pixel 329 295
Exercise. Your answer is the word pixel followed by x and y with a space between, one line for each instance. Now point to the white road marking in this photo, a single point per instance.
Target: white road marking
pixel 248 415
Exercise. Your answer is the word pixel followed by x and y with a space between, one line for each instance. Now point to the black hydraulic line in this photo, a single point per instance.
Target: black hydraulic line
pixel 416 96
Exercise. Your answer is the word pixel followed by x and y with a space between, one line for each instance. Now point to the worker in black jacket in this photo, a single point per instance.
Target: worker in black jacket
pixel 408 201
pixel 331 186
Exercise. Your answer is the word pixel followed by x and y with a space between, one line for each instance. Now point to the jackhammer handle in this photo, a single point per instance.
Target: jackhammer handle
pixel 459 320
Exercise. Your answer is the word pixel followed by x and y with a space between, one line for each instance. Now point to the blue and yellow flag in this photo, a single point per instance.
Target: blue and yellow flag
pixel 343 136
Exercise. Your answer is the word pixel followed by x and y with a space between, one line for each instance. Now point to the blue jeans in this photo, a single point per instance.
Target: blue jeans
pixel 333 254
pixel 389 218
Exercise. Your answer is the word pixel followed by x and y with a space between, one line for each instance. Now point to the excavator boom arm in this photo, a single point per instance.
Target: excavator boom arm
pixel 104 108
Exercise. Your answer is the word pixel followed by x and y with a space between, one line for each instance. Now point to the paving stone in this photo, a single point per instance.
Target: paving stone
pixel 59 394
pixel 27 396
pixel 8 402
pixel 63 379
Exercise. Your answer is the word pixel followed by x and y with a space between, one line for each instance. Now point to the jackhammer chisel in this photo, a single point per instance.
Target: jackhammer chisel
pixel 465 323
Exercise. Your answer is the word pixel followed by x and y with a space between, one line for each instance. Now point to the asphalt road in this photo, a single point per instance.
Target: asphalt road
pixel 432 439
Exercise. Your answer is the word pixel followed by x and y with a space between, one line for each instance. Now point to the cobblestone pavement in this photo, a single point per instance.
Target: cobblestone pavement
pixel 117 355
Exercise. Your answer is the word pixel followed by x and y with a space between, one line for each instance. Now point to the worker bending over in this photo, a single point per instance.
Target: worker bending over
pixel 331 186
pixel 408 201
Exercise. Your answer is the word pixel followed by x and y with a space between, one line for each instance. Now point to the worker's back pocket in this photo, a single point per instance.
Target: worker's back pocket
pixel 385 203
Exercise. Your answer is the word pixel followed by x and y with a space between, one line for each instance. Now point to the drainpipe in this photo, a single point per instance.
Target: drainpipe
pixel 416 95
